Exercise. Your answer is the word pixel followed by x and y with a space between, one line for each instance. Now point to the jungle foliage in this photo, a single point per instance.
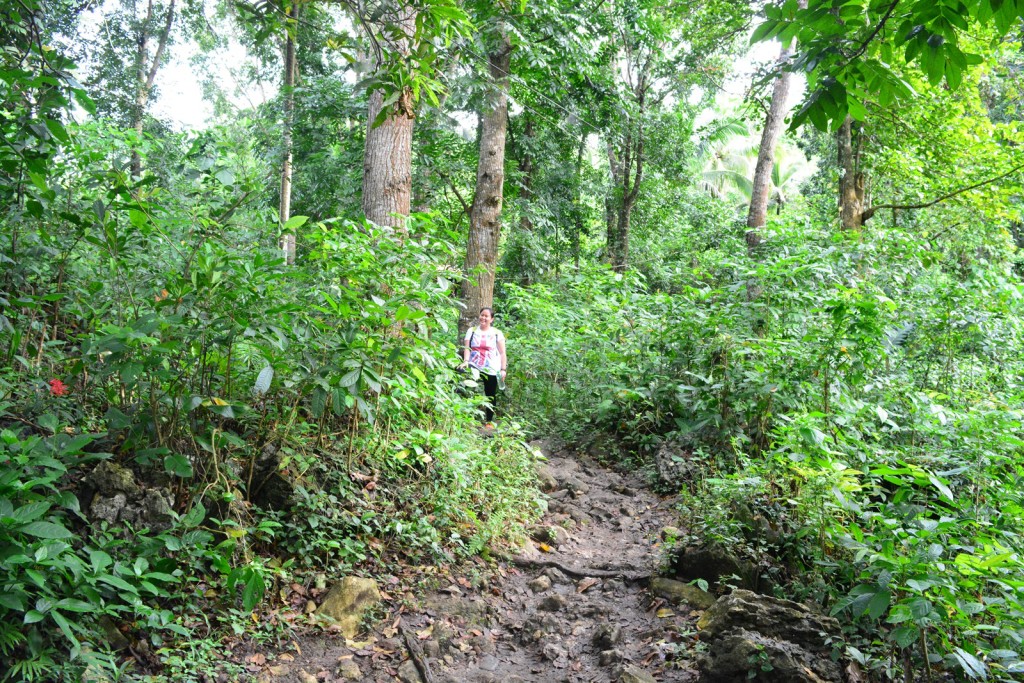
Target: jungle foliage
pixel 848 403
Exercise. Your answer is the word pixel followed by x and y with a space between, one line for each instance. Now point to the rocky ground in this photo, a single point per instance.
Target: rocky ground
pixel 579 602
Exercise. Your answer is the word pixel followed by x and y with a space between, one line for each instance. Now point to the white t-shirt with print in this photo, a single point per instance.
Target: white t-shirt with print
pixel 483 349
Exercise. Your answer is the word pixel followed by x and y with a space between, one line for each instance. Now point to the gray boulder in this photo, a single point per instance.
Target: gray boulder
pixel 757 637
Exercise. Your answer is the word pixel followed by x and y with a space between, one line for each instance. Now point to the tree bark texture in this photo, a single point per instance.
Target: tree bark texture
pixel 146 71
pixel 485 213
pixel 760 195
pixel 526 167
pixel 627 175
pixel 290 75
pixel 851 182
pixel 387 155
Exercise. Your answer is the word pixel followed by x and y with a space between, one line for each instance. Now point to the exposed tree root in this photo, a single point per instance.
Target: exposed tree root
pixel 632 577
pixel 416 655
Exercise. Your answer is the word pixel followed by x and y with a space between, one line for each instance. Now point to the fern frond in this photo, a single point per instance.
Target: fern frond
pixel 10 638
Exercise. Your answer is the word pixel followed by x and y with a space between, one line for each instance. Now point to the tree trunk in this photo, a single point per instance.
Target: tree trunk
pixel 526 166
pixel 851 182
pixel 612 201
pixel 577 234
pixel 758 214
pixel 146 74
pixel 387 155
pixel 290 73
pixel 485 214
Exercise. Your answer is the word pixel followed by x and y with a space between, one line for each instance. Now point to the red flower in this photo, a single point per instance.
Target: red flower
pixel 58 388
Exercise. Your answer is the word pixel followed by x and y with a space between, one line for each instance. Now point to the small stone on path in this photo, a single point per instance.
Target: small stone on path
pixel 540 584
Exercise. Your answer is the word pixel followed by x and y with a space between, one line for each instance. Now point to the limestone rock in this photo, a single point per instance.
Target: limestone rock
pixel 679 593
pixel 552 534
pixel 783 619
pixel 743 655
pixel 346 602
pixel 540 584
pixel 553 603
pixel 674 463
pixel 408 673
pixel 778 641
pixel 632 674
pixel 607 636
pixel 108 508
pixel 348 670
pixel 546 478
pixel 713 563
pixel 109 478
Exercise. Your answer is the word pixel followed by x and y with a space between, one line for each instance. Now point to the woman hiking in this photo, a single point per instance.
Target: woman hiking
pixel 485 350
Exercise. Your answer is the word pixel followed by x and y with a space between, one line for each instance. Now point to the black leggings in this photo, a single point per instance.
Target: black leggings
pixel 491 392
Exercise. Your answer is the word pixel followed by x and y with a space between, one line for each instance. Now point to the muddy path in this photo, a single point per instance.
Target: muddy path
pixel 574 605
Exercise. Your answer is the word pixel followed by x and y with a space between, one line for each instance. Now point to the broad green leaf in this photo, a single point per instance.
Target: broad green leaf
pixel 45 530
pixel 295 222
pixel 253 592
pixel 178 465
pixel 263 380
pixel 195 515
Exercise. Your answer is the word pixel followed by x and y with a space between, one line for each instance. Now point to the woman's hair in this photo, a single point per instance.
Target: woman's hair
pixel 488 309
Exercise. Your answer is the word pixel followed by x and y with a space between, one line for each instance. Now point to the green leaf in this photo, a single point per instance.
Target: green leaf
pixel 294 222
pixel 65 627
pixel 351 378
pixel 765 31
pixel 100 560
pixel 879 604
pixel 972 666
pixel 178 465
pixel 318 402
pixel 905 636
pixel 45 530
pixel 944 490
pixel 27 513
pixel 32 616
pixel 263 380
pixel 254 590
pixel 195 516
pixel 12 601
pixel 118 582
pixel 338 406
pixel 74 605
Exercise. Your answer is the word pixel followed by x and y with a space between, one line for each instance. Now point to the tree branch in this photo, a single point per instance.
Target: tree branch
pixel 924 205
pixel 874 33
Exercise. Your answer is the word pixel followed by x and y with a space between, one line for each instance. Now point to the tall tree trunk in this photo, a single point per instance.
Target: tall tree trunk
pixel 851 183
pixel 612 202
pixel 526 167
pixel 760 194
pixel 485 214
pixel 632 175
pixel 387 155
pixel 290 74
pixel 146 71
pixel 758 214
pixel 577 234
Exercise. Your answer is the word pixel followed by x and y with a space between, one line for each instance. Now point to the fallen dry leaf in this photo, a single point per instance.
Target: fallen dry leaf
pixel 665 613
pixel 425 633
pixel 585 584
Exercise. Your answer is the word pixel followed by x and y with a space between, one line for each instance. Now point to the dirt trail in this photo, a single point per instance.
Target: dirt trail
pixel 572 607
